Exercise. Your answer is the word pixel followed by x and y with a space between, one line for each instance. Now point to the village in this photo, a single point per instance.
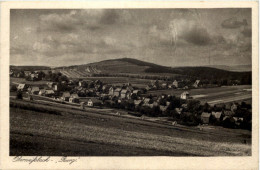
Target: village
pixel 96 94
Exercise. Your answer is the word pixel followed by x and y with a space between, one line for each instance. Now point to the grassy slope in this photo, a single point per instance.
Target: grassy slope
pixel 36 133
pixel 134 66
pixel 29 68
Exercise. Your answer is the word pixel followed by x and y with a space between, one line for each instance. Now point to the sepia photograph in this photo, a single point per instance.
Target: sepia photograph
pixel 130 82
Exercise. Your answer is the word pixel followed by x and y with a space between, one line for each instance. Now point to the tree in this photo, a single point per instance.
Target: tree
pixel 206 108
pixel 19 95
pixel 193 106
pixel 13 88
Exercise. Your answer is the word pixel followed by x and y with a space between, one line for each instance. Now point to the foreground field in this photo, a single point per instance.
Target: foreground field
pixel 83 133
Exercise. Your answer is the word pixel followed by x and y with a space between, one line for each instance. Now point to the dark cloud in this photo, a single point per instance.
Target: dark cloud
pixel 247 32
pixel 233 23
pixel 176 34
pixel 109 17
pixel 197 36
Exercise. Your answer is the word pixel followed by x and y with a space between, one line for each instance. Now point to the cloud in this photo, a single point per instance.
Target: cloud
pixel 179 35
pixel 247 32
pixel 189 30
pixel 82 19
pixel 197 36
pixel 109 17
pixel 233 23
pixel 68 22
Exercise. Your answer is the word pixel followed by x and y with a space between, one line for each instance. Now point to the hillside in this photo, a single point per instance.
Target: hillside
pixel 237 68
pixel 129 66
pixel 29 68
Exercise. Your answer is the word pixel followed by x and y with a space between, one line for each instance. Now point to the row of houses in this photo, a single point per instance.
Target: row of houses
pixel 154 85
pixel 227 111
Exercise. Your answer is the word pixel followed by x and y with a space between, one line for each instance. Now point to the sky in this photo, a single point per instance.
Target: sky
pixel 169 37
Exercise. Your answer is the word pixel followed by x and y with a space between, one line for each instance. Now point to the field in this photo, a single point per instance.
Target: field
pixel 216 95
pixel 15 80
pixel 84 133
pixel 141 83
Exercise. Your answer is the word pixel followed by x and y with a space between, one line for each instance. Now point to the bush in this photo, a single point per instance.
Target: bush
pixel 19 95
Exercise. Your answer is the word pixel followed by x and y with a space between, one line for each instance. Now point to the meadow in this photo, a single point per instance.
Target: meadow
pixel 118 81
pixel 15 80
pixel 214 95
pixel 83 133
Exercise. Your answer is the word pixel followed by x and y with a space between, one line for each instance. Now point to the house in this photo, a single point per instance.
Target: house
pixel 34 76
pixel 98 87
pixel 228 106
pixel 205 117
pixel 149 87
pixel 163 108
pixel 175 84
pixel 196 84
pixel 238 120
pixel 74 98
pixel 35 90
pixel 111 91
pixel 227 117
pixel 42 92
pixel 125 94
pixel 82 105
pixel 82 83
pixel 185 95
pixel 94 102
pixel 217 115
pixel 11 73
pixel 74 95
pixel 185 105
pixel 150 105
pixel 49 93
pixel 164 85
pixel 185 87
pixel 21 87
pixel 155 104
pixel 137 102
pixel 155 83
pixel 50 84
pixel 106 88
pixel 65 96
pixel 136 93
pixel 55 87
pixel 117 92
pixel 27 73
pixel 129 87
pixel 146 101
pixel 228 113
pixel 179 110
pixel 233 107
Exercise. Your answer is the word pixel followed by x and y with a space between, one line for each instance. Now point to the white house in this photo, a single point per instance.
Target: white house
pixel 185 95
pixel 94 102
pixel 175 83
pixel 196 84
